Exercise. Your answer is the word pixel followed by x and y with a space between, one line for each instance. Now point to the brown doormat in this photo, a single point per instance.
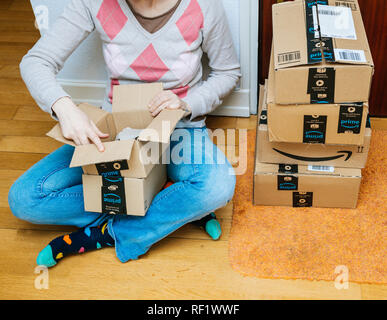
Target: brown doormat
pixel 310 243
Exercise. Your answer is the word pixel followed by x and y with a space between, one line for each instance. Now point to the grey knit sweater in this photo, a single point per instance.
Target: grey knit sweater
pixel 171 55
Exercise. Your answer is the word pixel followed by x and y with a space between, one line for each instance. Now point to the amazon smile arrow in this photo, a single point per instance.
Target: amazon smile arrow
pixel 348 155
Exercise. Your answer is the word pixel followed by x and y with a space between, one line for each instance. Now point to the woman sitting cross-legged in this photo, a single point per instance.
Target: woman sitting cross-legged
pixel 143 41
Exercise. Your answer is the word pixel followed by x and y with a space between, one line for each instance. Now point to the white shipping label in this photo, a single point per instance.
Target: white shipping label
pixel 321 168
pixel 315 23
pixel 336 22
pixel 350 55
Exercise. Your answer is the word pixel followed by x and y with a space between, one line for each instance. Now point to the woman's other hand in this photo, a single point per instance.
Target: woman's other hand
pixel 76 125
pixel 167 100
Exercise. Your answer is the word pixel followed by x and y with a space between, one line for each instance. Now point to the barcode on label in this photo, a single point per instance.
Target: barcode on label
pixel 326 12
pixel 321 168
pixel 350 55
pixel 346 4
pixel 289 57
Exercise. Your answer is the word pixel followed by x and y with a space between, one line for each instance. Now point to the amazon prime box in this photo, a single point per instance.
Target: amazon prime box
pixel 306 186
pixel 321 53
pixel 119 195
pixel 346 156
pixel 328 124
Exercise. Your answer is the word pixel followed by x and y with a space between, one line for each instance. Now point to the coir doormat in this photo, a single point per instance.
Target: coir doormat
pixel 310 243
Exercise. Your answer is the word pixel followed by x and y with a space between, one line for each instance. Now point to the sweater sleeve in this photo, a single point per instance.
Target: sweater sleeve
pixel 42 63
pixel 223 62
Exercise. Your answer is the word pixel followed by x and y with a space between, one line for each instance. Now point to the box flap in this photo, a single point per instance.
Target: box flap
pixel 162 126
pixel 94 113
pixel 130 105
pixel 89 154
pixel 289 34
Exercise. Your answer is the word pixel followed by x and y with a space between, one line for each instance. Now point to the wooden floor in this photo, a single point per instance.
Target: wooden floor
pixel 186 265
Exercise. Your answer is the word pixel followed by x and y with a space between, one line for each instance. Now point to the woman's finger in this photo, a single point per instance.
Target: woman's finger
pixel 159 100
pixel 83 139
pixel 96 140
pixel 160 108
pixel 99 132
pixel 76 140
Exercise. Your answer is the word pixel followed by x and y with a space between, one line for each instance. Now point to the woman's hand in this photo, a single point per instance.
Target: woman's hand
pixel 76 125
pixel 167 100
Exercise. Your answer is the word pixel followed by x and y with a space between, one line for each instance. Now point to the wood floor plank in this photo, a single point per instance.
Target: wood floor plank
pixel 5 4
pixel 9 71
pixel 25 128
pixel 32 113
pixel 247 123
pixel 21 36
pixel 28 144
pixel 7 112
pixel 7 178
pixel 373 292
pixel 20 5
pixel 172 269
pixel 19 160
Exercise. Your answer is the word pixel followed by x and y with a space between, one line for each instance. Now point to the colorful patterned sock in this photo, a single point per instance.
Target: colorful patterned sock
pixel 83 240
pixel 208 223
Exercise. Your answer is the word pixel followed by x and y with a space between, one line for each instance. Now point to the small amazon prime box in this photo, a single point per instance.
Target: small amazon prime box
pixel 346 156
pixel 306 186
pixel 330 124
pixel 120 195
pixel 321 53
pixel 132 158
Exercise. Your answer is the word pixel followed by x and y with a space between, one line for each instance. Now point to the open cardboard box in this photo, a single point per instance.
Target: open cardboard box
pixel 310 68
pixel 128 158
pixel 348 156
pixel 330 124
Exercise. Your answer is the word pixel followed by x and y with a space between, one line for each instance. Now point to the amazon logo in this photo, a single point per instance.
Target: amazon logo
pixel 341 154
pixel 287 182
pixel 112 198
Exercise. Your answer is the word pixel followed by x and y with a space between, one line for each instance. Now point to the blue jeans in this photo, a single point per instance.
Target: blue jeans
pixel 51 193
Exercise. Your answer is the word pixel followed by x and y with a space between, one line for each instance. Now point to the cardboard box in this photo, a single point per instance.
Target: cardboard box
pixel 323 66
pixel 119 195
pixel 337 124
pixel 129 158
pixel 306 186
pixel 348 156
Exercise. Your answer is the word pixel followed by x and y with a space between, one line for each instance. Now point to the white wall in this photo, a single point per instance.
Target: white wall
pixel 89 84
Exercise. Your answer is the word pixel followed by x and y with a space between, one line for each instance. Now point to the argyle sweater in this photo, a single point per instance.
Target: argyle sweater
pixel 172 55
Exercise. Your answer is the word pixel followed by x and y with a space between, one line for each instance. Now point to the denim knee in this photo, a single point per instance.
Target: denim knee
pixel 218 187
pixel 20 200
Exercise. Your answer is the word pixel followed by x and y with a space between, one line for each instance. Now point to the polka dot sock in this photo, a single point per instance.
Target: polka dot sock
pixel 83 240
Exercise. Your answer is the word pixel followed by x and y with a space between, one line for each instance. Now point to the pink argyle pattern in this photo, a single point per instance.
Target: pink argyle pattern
pixel 181 92
pixel 148 65
pixel 191 22
pixel 115 60
pixel 112 18
pixel 113 82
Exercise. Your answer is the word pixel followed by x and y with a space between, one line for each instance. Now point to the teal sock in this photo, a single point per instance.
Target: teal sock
pixel 211 225
pixel 83 240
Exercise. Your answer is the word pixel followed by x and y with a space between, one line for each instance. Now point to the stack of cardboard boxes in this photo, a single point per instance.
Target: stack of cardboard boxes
pixel 314 133
pixel 125 177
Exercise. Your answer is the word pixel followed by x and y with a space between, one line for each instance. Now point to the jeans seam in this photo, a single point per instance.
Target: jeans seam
pixel 54 193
